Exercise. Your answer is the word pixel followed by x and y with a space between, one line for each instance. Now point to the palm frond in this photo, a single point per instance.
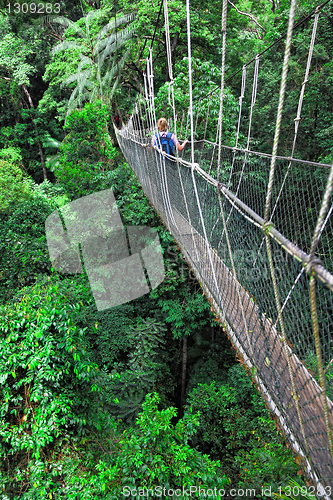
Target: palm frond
pixel 85 61
pixel 109 75
pixel 93 14
pixel 112 25
pixel 94 93
pixel 104 43
pixel 50 142
pixel 52 162
pixel 73 95
pixel 112 48
pixel 75 103
pixel 115 85
pixel 116 69
pixel 82 80
pixel 72 78
pixel 67 23
pixel 66 45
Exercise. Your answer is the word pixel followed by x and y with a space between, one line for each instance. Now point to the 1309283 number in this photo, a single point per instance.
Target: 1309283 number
pixel 295 491
pixel 33 8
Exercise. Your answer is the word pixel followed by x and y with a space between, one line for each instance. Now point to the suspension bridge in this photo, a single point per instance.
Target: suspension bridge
pixel 256 229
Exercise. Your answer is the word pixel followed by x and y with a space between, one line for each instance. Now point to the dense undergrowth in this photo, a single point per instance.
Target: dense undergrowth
pixel 89 399
pixel 148 394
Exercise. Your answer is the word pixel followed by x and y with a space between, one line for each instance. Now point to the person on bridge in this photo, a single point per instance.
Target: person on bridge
pixel 166 140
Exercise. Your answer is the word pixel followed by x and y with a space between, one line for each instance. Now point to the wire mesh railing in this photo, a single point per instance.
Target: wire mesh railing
pixel 285 368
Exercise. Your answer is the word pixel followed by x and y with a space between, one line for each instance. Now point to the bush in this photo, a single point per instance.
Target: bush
pixel 23 249
pixel 266 466
pixel 50 387
pixel 154 454
pixel 233 419
pixel 86 150
pixel 14 186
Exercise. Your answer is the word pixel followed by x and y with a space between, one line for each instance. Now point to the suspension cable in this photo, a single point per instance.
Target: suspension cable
pixel 267 210
pixel 209 252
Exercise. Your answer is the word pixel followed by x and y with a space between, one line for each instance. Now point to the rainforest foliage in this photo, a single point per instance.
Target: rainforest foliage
pixel 148 393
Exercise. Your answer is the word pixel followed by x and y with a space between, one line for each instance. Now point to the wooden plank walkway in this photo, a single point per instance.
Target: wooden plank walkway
pixel 262 344
pixel 269 355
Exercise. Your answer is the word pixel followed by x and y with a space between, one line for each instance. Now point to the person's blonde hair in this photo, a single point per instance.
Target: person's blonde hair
pixel 162 124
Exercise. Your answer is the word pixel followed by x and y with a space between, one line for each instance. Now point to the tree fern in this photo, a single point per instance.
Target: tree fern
pixel 99 65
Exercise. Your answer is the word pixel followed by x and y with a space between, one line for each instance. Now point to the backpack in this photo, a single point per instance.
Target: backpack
pixel 166 143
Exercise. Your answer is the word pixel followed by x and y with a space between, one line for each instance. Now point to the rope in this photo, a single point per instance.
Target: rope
pixel 224 35
pixel 321 370
pixel 165 195
pixel 315 241
pixel 237 315
pixel 158 18
pixel 300 103
pixel 284 340
pixel 280 107
pixel 169 59
pixel 236 144
pixel 188 19
pixel 267 155
pixel 197 118
pixel 267 208
pixel 206 124
pixel 224 41
pixel 253 101
pixel 299 110
pixel 151 45
pixel 241 97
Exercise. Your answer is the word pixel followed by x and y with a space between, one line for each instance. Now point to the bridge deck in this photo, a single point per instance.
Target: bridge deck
pixel 259 340
pixel 269 354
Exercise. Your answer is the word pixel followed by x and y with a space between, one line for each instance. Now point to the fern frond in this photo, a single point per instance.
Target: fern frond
pixel 64 21
pixel 112 24
pixel 85 61
pixel 112 49
pixel 66 45
pixel 70 79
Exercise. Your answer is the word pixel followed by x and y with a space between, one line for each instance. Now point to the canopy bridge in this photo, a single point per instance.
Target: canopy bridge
pixel 256 230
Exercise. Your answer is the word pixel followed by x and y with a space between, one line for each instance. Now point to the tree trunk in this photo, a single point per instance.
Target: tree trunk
pixel 36 130
pixel 182 396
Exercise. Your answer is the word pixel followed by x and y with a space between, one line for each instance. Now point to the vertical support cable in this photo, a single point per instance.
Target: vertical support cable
pixel 297 121
pixel 241 97
pixel 253 101
pixel 315 241
pixel 225 230
pixel 267 209
pixel 150 77
pixel 206 124
pixel 280 108
pixel 168 45
pixel 300 101
pixel 192 149
pixel 224 43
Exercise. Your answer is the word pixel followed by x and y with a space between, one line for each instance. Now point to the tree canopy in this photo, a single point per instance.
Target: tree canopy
pixel 148 393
